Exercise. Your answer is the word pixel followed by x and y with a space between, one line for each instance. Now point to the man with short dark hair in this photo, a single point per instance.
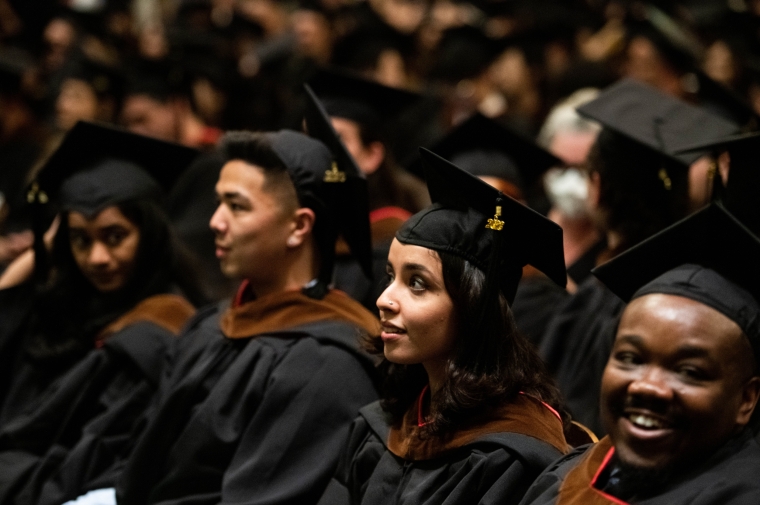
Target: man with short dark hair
pixel 263 390
pixel 682 382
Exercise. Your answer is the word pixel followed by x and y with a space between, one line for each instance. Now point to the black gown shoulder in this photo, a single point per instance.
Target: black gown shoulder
pixel 495 468
pixel 83 423
pixel 729 476
pixel 577 344
pixel 250 420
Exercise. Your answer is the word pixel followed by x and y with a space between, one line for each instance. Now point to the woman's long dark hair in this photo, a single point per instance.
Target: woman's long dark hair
pixel 490 366
pixel 69 312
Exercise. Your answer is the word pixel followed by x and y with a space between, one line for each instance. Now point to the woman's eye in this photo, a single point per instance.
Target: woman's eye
pixel 115 238
pixel 388 279
pixel 78 241
pixel 417 284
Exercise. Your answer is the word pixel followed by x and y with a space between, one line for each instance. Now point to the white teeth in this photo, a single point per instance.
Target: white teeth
pixel 645 421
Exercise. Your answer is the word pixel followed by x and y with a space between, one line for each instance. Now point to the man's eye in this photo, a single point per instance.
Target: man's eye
pixel 692 372
pixel 627 358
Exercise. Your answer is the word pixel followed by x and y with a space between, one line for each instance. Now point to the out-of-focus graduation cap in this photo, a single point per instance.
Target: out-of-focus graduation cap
pixel 717 98
pixel 655 120
pixel 710 257
pixel 104 79
pixel 89 149
pixel 464 52
pixel 366 102
pixel 485 148
pixel 345 184
pixel 13 63
pixel 743 186
pixel 472 220
pixel 97 166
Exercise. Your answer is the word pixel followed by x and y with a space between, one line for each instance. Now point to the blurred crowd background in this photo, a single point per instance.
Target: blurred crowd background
pixel 187 70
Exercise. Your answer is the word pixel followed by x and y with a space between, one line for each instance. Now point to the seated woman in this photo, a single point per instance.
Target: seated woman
pixel 469 412
pixel 83 358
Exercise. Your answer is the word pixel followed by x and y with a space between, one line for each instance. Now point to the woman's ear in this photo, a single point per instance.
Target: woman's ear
pixel 303 221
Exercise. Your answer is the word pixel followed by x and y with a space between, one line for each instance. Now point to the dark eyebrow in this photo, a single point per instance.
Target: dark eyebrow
pixel 416 267
pixel 231 194
pixel 631 339
pixel 690 351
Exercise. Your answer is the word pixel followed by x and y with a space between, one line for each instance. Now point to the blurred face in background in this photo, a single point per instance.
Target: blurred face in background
pixel 148 116
pixel 76 101
pixel 104 247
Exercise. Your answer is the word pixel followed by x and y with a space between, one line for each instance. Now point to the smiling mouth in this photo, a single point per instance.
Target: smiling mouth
pixel 390 331
pixel 646 422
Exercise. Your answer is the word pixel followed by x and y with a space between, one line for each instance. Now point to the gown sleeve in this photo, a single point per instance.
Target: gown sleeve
pixel 291 445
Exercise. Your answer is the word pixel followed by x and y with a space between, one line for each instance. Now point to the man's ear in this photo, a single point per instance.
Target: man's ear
pixel 303 224
pixel 373 156
pixel 750 395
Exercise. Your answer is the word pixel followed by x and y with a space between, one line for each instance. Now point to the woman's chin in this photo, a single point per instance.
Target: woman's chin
pixel 395 355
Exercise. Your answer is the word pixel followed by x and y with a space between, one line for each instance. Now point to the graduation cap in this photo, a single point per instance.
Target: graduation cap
pixel 97 166
pixel 655 120
pixel 709 257
pixel 89 146
pixel 723 101
pixel 485 148
pixel 463 53
pixel 741 190
pixel 105 80
pixel 345 183
pixel 367 102
pixel 13 64
pixel 474 221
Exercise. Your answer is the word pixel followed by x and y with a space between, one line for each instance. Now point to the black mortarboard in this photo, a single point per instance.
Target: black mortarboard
pixel 741 190
pixel 89 146
pixel 97 166
pixel 654 119
pixel 13 63
pixel 309 163
pixel 483 147
pixel 464 52
pixel 105 80
pixel 709 257
pixel 345 183
pixel 717 98
pixel 461 220
pixel 367 102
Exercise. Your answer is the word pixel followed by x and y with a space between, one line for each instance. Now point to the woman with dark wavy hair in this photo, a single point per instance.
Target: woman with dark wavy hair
pixel 82 359
pixel 468 412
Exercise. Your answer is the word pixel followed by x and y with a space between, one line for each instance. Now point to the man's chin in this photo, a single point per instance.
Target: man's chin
pixel 643 477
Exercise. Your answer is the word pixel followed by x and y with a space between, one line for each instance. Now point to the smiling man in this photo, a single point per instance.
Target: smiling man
pixel 681 385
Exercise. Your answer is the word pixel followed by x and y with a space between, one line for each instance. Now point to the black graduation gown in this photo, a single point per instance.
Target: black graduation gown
pixel 257 420
pixel 537 300
pixel 15 306
pixel 83 423
pixel 495 467
pixel 577 344
pixel 77 422
pixel 730 476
